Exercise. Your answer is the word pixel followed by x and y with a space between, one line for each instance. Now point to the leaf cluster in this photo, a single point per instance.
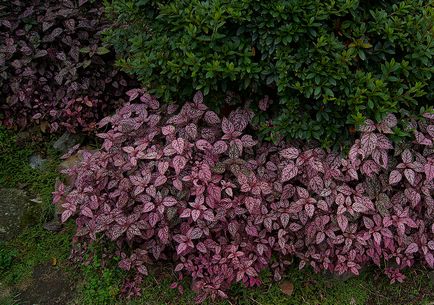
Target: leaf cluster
pixel 54 70
pixel 194 188
pixel 329 65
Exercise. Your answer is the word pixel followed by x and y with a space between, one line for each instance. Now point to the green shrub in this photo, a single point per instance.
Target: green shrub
pixel 328 64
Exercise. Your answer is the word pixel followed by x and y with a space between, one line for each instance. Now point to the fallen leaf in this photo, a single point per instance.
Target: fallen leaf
pixel 287 287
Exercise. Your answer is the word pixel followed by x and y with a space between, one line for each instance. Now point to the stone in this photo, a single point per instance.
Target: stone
pixel 66 142
pixel 53 226
pixel 37 162
pixel 16 212
pixel 47 286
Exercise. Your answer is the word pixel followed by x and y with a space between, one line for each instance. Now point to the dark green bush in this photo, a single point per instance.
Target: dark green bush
pixel 328 64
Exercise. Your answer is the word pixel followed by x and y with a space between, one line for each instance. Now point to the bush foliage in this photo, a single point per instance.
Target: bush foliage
pixel 54 70
pixel 330 64
pixel 196 189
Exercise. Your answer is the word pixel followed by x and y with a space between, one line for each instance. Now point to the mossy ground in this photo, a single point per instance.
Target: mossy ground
pixel 97 284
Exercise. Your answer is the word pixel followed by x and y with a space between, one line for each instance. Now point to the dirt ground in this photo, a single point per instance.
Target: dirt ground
pixel 48 286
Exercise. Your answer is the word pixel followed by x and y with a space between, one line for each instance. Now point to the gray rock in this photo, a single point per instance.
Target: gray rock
pixel 53 226
pixel 65 142
pixel 37 162
pixel 16 212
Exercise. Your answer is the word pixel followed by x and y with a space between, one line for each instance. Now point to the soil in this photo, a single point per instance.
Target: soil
pixel 48 286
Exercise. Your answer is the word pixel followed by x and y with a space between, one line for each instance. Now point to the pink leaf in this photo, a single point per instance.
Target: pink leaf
pixel 179 163
pixel 203 145
pixel 413 196
pixel 191 130
pixel 178 145
pixel 198 97
pixel 395 177
pixel 359 207
pixel 227 126
pixel 220 147
pixel 195 214
pixel 160 180
pixel 148 206
pixel 369 142
pixel 195 233
pixel 429 170
pixel 316 165
pixel 125 264
pixel 421 139
pixel 430 130
pixel 128 149
pixel 211 118
pixel 412 248
pixel 163 167
pixel 370 168
pixel 87 212
pixel 342 222
pixel 153 219
pixel 290 153
pixel 179 267
pixel 310 209
pixel 320 236
pixel 65 215
pixel 410 175
pixel 248 141
pixel 181 248
pixel 133 93
pixel 369 224
pixel 390 120
pixel 169 201
pixel 407 156
pixel 252 231
pixel 368 126
pixel 284 218
pixel 289 172
pixel 208 215
pixel 169 129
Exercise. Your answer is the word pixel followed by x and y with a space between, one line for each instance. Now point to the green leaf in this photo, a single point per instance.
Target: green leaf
pixel 102 50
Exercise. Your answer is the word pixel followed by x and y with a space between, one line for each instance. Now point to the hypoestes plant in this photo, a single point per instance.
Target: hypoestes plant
pixel 196 189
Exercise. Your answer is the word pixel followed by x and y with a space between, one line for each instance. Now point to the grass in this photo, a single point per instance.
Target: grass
pixel 15 171
pixel 99 283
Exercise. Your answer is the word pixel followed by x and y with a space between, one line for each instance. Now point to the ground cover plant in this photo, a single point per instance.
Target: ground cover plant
pixel 196 189
pixel 328 65
pixel 99 281
pixel 54 70
pixel 187 198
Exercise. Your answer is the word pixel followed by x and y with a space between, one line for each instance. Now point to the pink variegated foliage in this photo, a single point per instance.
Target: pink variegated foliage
pixel 198 190
pixel 54 71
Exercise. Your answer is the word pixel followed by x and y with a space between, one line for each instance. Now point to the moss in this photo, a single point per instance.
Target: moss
pixel 16 172
pixel 33 247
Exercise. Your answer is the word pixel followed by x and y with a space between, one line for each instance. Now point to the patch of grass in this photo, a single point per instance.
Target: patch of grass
pixel 418 288
pixel 98 283
pixel 309 288
pixel 33 247
pixel 8 300
pixel 16 171
pixel 371 287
